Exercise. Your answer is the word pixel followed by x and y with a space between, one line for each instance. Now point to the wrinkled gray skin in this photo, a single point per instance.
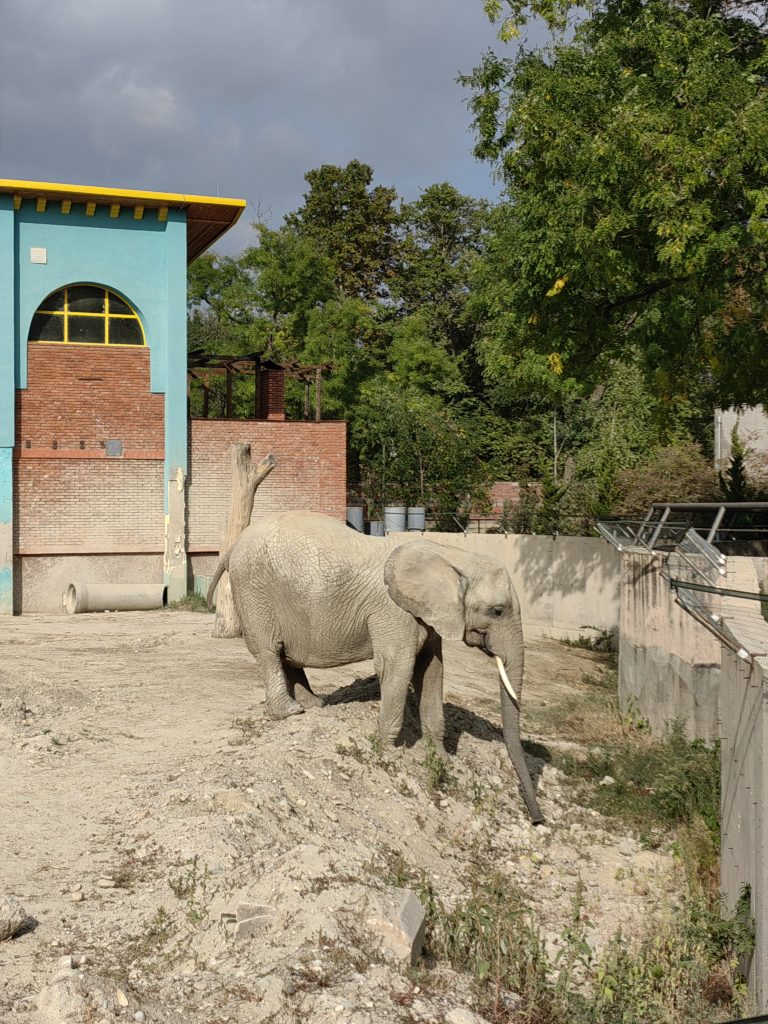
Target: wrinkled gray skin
pixel 312 593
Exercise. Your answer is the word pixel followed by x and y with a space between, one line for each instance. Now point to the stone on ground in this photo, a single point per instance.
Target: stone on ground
pixel 12 916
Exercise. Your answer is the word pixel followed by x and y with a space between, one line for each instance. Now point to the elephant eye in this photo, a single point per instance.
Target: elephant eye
pixel 497 612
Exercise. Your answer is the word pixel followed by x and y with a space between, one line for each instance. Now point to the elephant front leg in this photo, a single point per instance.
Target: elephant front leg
pixel 280 703
pixel 428 686
pixel 298 687
pixel 395 671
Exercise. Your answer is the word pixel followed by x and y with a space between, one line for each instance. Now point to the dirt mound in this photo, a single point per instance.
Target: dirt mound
pixel 155 809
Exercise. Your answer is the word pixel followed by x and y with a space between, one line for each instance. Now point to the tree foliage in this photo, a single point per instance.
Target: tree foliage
pixel 635 160
pixel 352 224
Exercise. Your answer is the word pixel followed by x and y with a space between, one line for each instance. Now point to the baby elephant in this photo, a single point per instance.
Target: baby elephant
pixel 312 593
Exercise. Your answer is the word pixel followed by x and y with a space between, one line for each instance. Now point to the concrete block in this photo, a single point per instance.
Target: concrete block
pixel 252 919
pixel 401 923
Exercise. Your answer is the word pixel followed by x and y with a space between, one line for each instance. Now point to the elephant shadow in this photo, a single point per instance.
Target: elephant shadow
pixel 458 720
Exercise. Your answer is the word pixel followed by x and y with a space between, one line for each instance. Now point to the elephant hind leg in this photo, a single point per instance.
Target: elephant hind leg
pixel 299 688
pixel 280 703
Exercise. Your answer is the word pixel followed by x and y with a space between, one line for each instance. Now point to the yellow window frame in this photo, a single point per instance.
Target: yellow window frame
pixel 106 316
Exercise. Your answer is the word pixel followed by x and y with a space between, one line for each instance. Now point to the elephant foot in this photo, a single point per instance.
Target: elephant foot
pixel 284 709
pixel 309 700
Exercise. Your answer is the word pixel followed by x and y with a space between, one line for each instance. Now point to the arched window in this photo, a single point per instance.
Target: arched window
pixel 84 314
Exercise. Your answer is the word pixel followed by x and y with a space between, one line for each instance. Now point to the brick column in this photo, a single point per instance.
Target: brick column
pixel 272 395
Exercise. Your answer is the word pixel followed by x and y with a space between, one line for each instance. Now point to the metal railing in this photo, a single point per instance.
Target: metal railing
pixel 716 522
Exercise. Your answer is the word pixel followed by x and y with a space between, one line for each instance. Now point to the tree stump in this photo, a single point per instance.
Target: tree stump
pixel 245 479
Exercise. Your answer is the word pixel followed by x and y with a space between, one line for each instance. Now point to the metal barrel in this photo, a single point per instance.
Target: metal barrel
pixel 394 518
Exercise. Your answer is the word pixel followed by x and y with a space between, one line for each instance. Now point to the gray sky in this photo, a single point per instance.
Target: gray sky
pixel 239 98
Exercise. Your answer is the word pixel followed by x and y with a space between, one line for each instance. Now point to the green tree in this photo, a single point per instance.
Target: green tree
pixel 635 159
pixel 225 315
pixel 734 483
pixel 415 450
pixel 352 224
pixel 291 278
pixel 346 333
pixel 443 236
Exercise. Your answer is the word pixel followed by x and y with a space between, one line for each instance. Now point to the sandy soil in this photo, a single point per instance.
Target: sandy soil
pixel 146 801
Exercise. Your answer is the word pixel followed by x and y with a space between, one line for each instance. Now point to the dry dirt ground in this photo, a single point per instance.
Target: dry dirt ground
pixel 145 798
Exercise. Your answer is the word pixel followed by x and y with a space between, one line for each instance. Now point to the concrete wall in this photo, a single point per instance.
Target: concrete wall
pixel 568 586
pixel 669 665
pixel 744 812
pixel 744 769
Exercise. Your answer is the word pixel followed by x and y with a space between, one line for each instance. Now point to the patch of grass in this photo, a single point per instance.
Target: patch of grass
pixel 351 750
pixel 378 755
pixel 376 745
pixel 404 789
pixel 127 872
pixel 351 952
pixel 681 972
pixel 144 945
pixel 189 603
pixel 588 715
pixel 659 784
pixel 604 642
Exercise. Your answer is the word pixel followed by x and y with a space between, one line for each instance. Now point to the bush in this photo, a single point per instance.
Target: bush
pixel 678 472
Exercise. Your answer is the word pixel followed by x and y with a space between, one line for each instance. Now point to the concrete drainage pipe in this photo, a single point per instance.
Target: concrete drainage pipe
pixel 114 597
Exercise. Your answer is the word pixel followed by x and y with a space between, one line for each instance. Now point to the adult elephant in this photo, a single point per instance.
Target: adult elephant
pixel 312 593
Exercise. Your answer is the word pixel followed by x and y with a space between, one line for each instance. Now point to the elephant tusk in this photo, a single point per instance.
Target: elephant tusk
pixel 505 678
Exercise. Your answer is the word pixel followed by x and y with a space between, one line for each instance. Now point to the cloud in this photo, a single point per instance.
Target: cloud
pixel 239 98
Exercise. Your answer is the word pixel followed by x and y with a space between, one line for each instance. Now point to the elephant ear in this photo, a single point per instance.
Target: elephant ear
pixel 422 582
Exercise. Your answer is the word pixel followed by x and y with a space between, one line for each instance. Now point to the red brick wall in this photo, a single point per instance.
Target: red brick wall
pixel 504 491
pixel 310 472
pixel 87 393
pixel 88 506
pixel 68 496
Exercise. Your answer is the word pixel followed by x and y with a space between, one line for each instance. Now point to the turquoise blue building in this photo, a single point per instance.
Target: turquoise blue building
pixel 93 384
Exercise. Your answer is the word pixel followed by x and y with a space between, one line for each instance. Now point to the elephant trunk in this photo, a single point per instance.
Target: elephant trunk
pixel 511 667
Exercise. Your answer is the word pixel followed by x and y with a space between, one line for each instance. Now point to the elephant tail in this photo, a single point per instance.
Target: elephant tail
pixel 221 568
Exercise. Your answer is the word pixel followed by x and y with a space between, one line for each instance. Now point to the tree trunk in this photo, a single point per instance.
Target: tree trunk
pixel 245 479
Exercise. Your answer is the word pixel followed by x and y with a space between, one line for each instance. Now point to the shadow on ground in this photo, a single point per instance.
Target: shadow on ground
pixel 458 720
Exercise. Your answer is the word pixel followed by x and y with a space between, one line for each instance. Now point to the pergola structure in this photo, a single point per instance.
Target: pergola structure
pixel 202 366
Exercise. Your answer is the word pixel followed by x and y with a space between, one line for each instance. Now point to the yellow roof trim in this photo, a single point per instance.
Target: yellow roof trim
pixel 207 226
pixel 113 194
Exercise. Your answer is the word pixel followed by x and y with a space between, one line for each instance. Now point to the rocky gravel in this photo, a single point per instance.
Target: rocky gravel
pixel 180 858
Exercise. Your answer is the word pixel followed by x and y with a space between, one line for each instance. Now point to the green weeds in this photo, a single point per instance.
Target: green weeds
pixel 440 779
pixel 681 972
pixel 249 730
pixel 191 886
pixel 657 784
